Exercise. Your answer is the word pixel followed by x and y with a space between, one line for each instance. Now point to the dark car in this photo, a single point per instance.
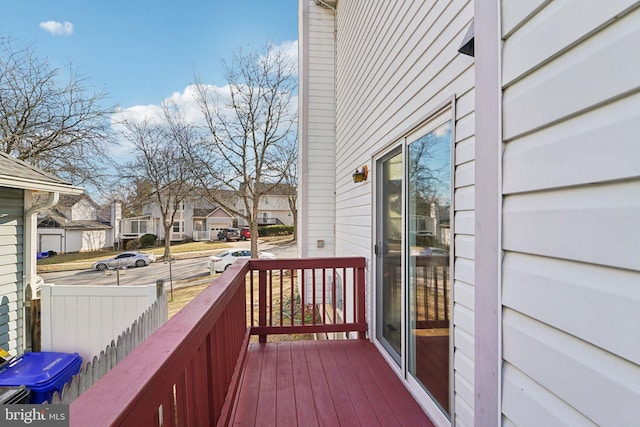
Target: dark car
pixel 229 234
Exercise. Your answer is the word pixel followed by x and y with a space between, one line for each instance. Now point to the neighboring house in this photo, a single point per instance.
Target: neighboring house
pixel 273 208
pixel 528 142
pixel 73 226
pixel 195 219
pixel 199 219
pixel 18 242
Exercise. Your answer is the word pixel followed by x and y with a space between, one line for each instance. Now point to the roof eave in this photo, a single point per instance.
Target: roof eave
pixel 27 184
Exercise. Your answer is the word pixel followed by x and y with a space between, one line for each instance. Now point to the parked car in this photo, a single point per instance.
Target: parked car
pixel 229 234
pixel 125 260
pixel 245 233
pixel 224 259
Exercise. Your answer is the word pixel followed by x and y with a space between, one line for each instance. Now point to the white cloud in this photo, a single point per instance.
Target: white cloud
pixel 57 28
pixel 291 50
pixel 185 101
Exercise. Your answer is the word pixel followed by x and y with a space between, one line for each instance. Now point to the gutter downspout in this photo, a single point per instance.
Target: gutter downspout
pixel 30 277
pixel 31 284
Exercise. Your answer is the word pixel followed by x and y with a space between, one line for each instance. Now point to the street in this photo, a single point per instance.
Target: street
pixel 181 269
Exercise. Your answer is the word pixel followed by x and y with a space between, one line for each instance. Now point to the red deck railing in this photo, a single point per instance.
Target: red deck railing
pixel 184 374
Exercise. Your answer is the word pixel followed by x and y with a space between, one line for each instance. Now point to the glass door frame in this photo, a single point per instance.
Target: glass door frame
pixel 400 146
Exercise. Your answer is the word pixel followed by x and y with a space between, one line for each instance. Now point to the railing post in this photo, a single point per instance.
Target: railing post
pixel 360 289
pixel 262 302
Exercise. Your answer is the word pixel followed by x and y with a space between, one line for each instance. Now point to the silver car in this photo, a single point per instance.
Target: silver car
pixel 125 260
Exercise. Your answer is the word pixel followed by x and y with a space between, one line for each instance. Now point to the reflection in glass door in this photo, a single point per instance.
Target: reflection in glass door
pixel 388 250
pixel 413 246
pixel 428 247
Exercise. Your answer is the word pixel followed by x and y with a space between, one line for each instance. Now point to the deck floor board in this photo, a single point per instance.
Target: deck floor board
pixel 327 383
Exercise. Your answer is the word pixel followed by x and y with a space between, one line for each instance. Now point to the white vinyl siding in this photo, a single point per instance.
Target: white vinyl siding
pixel 11 268
pixel 397 63
pixel 571 234
pixel 317 131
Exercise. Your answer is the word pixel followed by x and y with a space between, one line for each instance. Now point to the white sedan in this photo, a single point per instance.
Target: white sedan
pixel 224 259
pixel 124 260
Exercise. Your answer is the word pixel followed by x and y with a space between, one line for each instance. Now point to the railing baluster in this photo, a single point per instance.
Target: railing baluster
pixel 355 293
pixel 435 294
pixel 344 295
pixel 252 298
pixel 324 296
pixel 270 297
pixel 361 302
pixel 313 297
pixel 302 296
pixel 333 297
pixel 262 303
pixel 292 299
pixel 281 296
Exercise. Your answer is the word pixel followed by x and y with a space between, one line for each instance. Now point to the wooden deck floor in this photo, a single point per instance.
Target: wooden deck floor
pixel 322 383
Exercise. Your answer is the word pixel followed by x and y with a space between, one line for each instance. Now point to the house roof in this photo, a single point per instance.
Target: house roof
pixel 15 173
pixel 57 220
pixel 201 213
pixel 281 189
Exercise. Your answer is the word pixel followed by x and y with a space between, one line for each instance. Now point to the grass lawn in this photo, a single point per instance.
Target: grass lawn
pixel 182 296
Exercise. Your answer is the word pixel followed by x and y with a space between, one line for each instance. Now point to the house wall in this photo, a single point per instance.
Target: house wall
pixel 218 220
pixel 316 133
pixel 83 210
pixel 571 210
pixel 397 64
pixel 275 206
pixel 11 268
pixel 93 240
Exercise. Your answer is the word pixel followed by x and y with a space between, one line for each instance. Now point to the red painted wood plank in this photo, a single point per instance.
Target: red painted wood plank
pixel 304 263
pixel 266 405
pixel 358 395
pixel 325 408
pixel 285 390
pixel 404 406
pixel 344 407
pixel 245 410
pixel 308 329
pixel 305 404
pixel 234 388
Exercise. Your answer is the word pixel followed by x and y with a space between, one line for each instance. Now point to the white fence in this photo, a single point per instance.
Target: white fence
pixel 201 235
pixel 92 371
pixel 85 319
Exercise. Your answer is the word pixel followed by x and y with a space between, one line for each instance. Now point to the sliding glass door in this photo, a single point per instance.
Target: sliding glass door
pixel 413 247
pixel 389 249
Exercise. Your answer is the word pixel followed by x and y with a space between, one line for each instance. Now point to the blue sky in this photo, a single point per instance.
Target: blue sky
pixel 141 51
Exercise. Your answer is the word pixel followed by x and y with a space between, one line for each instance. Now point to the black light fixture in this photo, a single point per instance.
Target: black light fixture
pixel 361 175
pixel 467 47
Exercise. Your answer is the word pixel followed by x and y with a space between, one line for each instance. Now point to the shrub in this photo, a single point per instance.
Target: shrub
pixel 132 245
pixel 148 240
pixel 275 230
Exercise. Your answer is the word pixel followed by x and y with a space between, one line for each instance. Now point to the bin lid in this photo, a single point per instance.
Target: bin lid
pixel 14 394
pixel 32 369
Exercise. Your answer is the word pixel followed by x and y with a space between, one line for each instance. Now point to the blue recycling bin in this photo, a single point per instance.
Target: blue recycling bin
pixel 42 373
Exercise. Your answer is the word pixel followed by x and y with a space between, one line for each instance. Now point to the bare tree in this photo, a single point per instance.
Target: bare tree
pixel 159 162
pixel 131 195
pixel 286 162
pixel 246 126
pixel 51 120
